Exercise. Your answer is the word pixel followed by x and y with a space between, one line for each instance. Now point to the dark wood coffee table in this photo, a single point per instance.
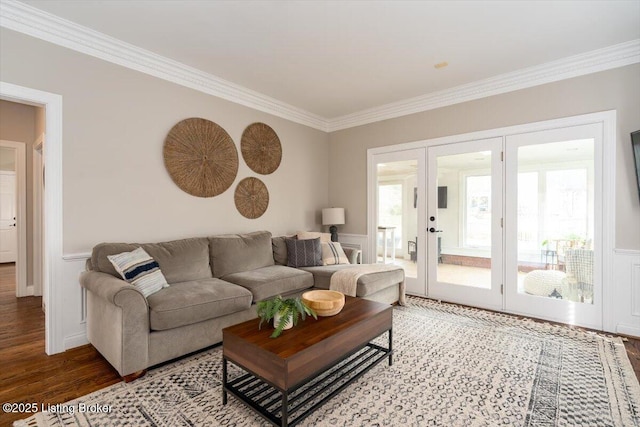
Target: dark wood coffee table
pixel 289 377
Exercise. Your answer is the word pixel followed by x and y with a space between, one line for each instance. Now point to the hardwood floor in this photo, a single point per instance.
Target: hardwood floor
pixel 29 375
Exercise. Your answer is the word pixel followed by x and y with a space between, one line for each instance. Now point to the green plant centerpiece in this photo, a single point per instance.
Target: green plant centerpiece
pixel 285 313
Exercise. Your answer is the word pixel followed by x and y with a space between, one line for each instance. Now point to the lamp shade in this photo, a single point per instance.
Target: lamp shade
pixel 333 216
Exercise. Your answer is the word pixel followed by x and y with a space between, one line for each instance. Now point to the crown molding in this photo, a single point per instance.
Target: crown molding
pixel 591 62
pixel 34 22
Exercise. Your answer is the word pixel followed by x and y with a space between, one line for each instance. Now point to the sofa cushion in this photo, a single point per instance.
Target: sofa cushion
pixel 234 253
pixel 304 253
pixel 180 260
pixel 279 247
pixel 194 301
pixel 139 269
pixel 367 284
pixel 271 281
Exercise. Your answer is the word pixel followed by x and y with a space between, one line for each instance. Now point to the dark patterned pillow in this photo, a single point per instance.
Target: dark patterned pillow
pixel 304 253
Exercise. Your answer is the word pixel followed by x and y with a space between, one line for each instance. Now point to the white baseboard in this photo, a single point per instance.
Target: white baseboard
pixel 75 340
pixel 623 329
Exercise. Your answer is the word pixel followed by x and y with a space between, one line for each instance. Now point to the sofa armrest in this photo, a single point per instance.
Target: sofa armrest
pixel 117 321
pixel 113 290
pixel 353 255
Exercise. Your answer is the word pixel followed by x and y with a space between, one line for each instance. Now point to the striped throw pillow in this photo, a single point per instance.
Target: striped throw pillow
pixel 141 270
pixel 332 253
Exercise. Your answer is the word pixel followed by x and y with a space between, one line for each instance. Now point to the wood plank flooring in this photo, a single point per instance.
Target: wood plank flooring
pixel 27 374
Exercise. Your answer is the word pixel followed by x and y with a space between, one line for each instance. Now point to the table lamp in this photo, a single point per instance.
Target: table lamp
pixel 333 217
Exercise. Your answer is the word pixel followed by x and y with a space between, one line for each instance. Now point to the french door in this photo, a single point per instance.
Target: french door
pixel 513 220
pixel 397 180
pixel 464 231
pixel 555 225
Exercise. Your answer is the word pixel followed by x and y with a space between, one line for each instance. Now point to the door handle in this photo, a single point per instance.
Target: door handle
pixel 433 230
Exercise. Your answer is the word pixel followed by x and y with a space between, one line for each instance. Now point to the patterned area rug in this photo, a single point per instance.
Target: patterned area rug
pixel 453 366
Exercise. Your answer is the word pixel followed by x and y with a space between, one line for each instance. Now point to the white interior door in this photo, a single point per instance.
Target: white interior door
pixel 464 237
pixel 554 224
pixel 397 210
pixel 8 231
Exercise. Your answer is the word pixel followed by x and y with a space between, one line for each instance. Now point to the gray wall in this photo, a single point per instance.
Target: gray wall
pixel 115 121
pixel 617 89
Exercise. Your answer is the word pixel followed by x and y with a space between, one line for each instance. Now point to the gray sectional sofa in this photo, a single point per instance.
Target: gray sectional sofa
pixel 214 283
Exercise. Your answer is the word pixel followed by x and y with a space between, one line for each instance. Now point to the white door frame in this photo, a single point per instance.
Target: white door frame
pixel 53 287
pixel 36 241
pixel 21 217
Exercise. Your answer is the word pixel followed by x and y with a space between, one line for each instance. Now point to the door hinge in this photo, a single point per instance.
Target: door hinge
pixel 501 222
pixel 502 156
pixel 501 289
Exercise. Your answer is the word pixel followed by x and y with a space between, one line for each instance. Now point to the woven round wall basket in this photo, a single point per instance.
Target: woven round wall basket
pixel 261 148
pixel 200 157
pixel 252 198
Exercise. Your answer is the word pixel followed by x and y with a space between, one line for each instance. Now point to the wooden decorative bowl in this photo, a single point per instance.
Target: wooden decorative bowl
pixel 324 303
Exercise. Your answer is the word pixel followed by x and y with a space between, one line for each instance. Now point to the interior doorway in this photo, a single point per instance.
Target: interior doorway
pixel 21 155
pixel 52 290
pixel 13 212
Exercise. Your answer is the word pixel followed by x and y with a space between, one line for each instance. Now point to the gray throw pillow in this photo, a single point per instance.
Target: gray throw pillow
pixel 304 253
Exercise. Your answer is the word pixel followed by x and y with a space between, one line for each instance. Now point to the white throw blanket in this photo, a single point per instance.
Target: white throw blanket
pixel 346 280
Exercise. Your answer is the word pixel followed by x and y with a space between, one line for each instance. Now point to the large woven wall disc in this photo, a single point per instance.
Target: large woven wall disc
pixel 251 197
pixel 261 148
pixel 200 157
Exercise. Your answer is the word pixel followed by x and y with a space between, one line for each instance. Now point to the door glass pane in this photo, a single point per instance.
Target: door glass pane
pixel 478 212
pixel 464 243
pixel 398 214
pixel 390 211
pixel 555 220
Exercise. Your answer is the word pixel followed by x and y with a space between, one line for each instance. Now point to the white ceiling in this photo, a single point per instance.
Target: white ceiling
pixel 335 58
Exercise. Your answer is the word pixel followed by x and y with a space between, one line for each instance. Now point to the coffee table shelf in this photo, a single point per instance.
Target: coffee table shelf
pixel 268 400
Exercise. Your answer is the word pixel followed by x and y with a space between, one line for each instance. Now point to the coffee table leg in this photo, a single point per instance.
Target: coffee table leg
pixel 390 347
pixel 224 380
pixel 285 409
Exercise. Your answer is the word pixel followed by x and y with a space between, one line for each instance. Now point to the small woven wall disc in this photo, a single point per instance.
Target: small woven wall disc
pixel 200 157
pixel 251 197
pixel 261 148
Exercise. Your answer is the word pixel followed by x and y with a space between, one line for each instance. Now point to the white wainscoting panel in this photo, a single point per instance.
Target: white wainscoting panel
pixel 635 289
pixel 626 292
pixel 75 303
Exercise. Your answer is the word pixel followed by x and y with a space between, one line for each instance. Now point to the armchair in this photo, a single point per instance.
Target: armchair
pixel 579 270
